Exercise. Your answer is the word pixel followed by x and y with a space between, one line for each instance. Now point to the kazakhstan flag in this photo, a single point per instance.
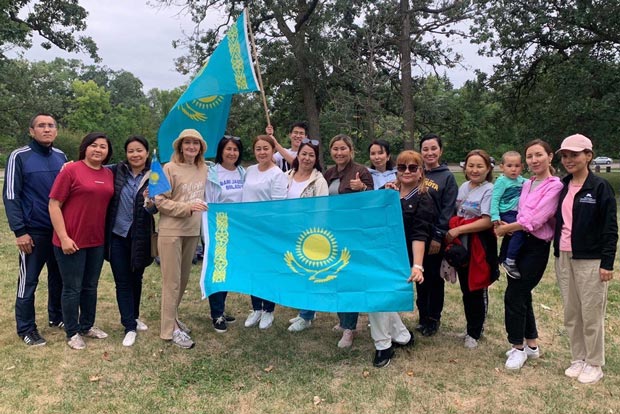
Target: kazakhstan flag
pixel 158 182
pixel 206 103
pixel 343 253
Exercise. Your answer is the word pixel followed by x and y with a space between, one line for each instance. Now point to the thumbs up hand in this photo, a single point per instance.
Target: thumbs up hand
pixel 356 184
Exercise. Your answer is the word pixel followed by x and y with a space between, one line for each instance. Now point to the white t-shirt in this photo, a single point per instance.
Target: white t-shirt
pixel 264 185
pixel 296 188
pixel 231 184
pixel 472 203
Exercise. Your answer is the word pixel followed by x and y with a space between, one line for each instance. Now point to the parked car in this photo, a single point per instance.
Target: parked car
pixel 602 161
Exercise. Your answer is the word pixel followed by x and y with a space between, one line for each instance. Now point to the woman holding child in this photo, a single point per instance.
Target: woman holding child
pixel 536 210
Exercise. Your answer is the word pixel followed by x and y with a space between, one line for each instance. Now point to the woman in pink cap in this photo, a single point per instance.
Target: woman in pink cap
pixel 586 235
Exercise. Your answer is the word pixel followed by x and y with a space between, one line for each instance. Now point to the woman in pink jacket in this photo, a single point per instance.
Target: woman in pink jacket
pixel 537 206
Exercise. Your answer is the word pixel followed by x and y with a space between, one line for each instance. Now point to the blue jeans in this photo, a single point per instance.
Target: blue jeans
pixel 80 273
pixel 518 237
pixel 128 281
pixel 217 302
pixel 348 320
pixel 30 266
pixel 307 315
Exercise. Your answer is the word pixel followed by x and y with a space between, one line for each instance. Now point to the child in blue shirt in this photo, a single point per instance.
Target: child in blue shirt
pixel 504 204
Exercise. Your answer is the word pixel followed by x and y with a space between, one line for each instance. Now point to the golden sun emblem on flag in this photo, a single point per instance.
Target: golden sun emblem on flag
pixel 316 255
pixel 196 110
pixel 154 178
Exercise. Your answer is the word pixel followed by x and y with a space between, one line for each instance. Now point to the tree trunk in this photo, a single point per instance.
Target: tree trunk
pixel 406 83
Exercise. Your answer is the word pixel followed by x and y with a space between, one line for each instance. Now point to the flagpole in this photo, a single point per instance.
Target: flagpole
pixel 260 79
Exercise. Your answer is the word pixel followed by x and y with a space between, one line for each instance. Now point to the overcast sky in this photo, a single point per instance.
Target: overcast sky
pixel 136 37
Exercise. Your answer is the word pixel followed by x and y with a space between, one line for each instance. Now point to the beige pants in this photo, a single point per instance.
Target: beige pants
pixel 175 255
pixel 585 301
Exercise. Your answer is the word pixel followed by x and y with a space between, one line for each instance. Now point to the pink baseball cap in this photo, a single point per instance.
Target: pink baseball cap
pixel 576 143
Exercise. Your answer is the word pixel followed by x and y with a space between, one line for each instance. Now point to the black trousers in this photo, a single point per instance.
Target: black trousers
pixel 430 293
pixel 519 313
pixel 475 304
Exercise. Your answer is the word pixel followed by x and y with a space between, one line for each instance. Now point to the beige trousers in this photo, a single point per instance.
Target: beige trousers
pixel 585 302
pixel 175 255
pixel 387 327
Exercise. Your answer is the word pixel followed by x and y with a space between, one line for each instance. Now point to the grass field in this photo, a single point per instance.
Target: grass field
pixel 249 371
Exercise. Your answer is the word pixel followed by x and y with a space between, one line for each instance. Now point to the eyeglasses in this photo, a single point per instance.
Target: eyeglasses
pixel 314 142
pixel 232 137
pixel 411 167
pixel 43 126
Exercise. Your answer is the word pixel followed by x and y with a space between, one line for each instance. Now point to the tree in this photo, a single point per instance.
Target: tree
pixel 90 107
pixel 55 20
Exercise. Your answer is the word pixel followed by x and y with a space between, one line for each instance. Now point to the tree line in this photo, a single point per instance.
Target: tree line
pixel 355 67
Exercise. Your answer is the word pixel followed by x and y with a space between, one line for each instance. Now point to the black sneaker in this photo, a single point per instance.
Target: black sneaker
pixel 408 344
pixel 383 357
pixel 219 324
pixel 511 270
pixel 431 327
pixel 230 319
pixel 59 325
pixel 33 338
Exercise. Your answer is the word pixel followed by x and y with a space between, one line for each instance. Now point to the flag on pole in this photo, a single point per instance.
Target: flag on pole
pixel 344 253
pixel 205 104
pixel 158 182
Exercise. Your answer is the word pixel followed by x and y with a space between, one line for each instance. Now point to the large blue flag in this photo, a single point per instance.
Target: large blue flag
pixel 158 182
pixel 206 103
pixel 332 254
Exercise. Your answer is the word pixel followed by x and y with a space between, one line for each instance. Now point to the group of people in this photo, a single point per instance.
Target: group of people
pixel 73 216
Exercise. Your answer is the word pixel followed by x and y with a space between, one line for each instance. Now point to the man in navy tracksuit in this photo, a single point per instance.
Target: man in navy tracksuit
pixel 29 175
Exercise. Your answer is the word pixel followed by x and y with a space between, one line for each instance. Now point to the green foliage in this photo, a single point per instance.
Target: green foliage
pixel 92 105
pixel 57 21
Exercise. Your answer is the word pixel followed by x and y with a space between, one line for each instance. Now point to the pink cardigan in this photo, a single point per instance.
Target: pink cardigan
pixel 537 208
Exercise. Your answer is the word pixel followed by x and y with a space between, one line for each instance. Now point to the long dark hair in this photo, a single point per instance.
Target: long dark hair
pixel 89 139
pixel 545 146
pixel 317 162
pixel 389 165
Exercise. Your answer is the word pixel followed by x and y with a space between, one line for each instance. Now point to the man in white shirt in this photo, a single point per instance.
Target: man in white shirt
pixel 284 157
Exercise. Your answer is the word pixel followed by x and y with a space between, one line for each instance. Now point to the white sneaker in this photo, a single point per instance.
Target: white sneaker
pixel 347 339
pixel 76 342
pixel 299 325
pixel 295 319
pixel 141 326
pixel 575 368
pixel 470 343
pixel 532 353
pixel 591 374
pixel 253 318
pixel 266 320
pixel 516 359
pixel 130 338
pixel 182 339
pixel 96 333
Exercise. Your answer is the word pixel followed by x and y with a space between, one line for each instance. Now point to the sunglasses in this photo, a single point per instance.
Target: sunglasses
pixel 314 142
pixel 411 167
pixel 232 137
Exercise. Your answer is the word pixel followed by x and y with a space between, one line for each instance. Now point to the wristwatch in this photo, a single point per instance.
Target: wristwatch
pixel 417 266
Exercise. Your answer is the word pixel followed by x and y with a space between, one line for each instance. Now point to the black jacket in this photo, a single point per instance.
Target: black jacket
pixel 419 214
pixel 595 228
pixel 143 223
pixel 443 189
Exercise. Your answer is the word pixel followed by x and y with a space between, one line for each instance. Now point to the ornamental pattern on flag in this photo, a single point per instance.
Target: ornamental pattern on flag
pixel 343 253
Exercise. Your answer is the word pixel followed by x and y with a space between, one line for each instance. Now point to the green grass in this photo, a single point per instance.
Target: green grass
pixel 250 371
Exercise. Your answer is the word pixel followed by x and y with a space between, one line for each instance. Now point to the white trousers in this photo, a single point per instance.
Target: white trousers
pixel 385 328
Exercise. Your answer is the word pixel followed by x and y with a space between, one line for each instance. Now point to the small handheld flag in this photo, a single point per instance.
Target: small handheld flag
pixel 158 182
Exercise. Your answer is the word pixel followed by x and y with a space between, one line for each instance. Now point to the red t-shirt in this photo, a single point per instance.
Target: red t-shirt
pixel 85 194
